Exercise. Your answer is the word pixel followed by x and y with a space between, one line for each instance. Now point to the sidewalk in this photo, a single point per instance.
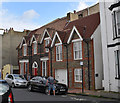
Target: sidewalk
pixel 98 93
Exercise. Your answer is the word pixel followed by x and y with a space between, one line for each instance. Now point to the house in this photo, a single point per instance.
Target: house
pixel 110 18
pixel 58 47
pixel 69 48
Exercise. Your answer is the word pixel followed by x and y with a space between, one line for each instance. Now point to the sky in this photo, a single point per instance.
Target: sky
pixel 32 15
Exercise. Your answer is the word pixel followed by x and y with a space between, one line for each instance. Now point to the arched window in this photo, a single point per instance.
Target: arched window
pixel 35 68
pixel 35 65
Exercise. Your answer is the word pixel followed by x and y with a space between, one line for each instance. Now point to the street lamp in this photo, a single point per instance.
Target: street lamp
pixel 81 64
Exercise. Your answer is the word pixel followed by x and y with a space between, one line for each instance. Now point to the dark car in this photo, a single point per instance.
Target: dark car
pixel 39 83
pixel 6 95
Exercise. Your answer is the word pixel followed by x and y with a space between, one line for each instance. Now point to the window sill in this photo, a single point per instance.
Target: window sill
pixel 78 81
pixel 117 78
pixel 58 60
pixel 116 38
pixel 78 59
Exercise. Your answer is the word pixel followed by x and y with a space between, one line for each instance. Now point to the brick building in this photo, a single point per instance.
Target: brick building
pixel 58 47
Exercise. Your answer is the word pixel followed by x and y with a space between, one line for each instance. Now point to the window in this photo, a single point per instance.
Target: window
pixel 22 69
pixel 59 53
pixel 116 24
pixel 35 47
pixel 78 75
pixel 46 44
pixel 26 66
pixel 117 64
pixel 77 50
pixel 25 50
pixel 44 68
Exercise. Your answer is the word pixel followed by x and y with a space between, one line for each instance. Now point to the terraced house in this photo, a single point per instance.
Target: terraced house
pixel 58 47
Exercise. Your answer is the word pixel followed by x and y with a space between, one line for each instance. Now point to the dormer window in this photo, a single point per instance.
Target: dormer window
pixel 24 50
pixel 47 41
pixel 34 47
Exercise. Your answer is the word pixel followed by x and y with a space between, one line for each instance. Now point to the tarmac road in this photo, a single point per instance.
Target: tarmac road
pixel 23 95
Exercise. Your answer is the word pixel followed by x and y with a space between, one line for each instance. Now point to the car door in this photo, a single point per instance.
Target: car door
pixel 34 82
pixel 9 79
pixel 40 84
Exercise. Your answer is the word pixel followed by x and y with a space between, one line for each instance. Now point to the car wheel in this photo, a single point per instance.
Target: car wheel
pixel 13 85
pixel 30 88
pixel 46 90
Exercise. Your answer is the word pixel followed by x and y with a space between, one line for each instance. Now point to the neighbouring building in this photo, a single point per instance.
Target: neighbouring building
pixel 0 51
pixel 110 34
pixel 10 40
pixel 58 47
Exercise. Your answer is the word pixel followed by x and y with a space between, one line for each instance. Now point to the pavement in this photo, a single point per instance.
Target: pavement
pixel 95 93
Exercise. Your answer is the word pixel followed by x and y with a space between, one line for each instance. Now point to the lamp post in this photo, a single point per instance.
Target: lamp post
pixel 81 64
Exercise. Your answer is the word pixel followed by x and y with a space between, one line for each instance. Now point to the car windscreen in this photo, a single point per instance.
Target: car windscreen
pixel 19 77
pixel 4 87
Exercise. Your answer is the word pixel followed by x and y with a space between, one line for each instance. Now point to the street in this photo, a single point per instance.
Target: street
pixel 23 95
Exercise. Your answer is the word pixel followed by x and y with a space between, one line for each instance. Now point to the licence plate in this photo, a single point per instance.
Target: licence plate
pixel 62 89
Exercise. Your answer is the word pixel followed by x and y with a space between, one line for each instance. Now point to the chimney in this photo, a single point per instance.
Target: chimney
pixel 72 16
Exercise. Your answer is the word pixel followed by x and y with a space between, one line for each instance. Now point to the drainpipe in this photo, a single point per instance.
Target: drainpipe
pixel 50 60
pixel 88 66
pixel 66 45
pixel 30 60
pixel 87 42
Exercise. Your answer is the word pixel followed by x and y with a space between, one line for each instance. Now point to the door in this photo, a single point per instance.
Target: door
pixel 61 75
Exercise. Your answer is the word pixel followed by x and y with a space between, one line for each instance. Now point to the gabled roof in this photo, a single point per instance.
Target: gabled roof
pixel 90 23
pixel 49 31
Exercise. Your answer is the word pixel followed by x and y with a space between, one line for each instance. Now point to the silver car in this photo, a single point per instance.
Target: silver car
pixel 16 80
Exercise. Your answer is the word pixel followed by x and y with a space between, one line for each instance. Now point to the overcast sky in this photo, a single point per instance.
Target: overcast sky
pixel 31 15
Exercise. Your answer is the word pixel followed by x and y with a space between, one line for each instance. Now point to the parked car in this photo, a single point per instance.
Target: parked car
pixel 38 83
pixel 6 95
pixel 16 80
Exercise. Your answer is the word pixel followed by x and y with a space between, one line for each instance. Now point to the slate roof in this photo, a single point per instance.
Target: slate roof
pixel 64 28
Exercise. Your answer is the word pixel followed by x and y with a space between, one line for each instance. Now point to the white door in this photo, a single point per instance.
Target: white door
pixel 61 75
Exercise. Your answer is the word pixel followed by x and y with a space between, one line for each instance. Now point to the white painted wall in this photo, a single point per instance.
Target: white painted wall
pixel 98 58
pixel 109 83
pixel 0 51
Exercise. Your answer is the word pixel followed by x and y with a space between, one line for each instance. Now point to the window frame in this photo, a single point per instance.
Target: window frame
pixel 35 49
pixel 24 49
pixel 78 50
pixel 115 24
pixel 79 74
pixel 117 64
pixel 47 39
pixel 59 52
pixel 45 74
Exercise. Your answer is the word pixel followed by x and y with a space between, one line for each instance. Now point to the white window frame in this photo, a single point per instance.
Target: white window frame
pixel 79 50
pixel 78 72
pixel 117 64
pixel 115 24
pixel 59 53
pixel 47 49
pixel 44 68
pixel 22 68
pixel 34 48
pixel 24 49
